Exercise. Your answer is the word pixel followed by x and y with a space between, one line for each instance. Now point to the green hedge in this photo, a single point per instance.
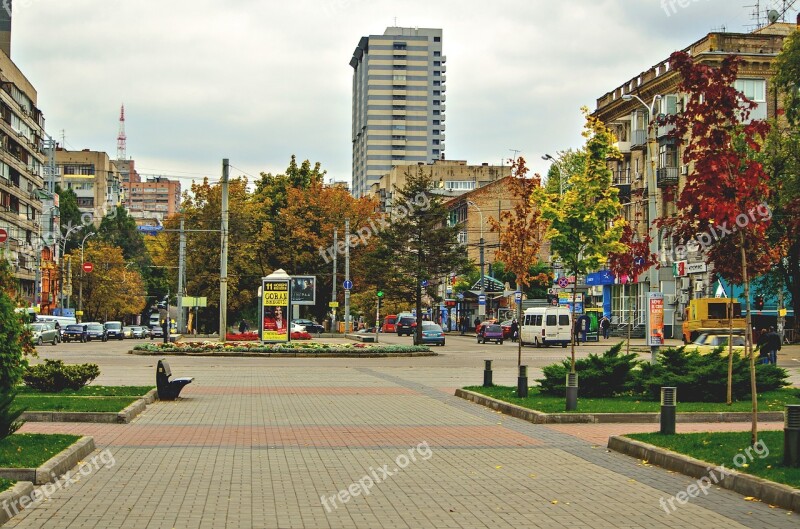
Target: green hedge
pixel 54 375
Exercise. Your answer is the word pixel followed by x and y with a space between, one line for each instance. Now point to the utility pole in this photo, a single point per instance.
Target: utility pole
pixel 181 276
pixel 347 275
pixel 333 294
pixel 223 267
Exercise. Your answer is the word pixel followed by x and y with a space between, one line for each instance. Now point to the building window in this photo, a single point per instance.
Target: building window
pixel 399 77
pixel 398 87
pixel 437 92
pixel 436 102
pixel 437 73
pixel 437 63
pixel 398 107
pixel 753 89
pixel 437 112
pixel 398 157
pixel 399 66
pixel 436 132
pixel 436 152
pixel 402 98
pixel 437 39
pixel 436 142
pixel 437 83
pixel 437 54
pixel 399 46
pixel 399 117
pixel 398 137
pixel 436 122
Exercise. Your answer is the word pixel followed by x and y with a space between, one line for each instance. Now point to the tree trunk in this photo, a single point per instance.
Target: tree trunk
pixel 748 342
pixel 630 316
pixel 729 397
pixel 574 321
pixel 519 327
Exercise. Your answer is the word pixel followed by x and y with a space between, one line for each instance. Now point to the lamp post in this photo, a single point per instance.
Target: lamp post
pixel 80 287
pixel 651 197
pixel 63 247
pixel 483 286
pixel 560 168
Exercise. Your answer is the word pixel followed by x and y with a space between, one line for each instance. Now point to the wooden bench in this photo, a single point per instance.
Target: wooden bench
pixel 169 389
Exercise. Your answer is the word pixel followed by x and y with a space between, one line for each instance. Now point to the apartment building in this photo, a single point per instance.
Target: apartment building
pixel 651 172
pixel 153 200
pixel 94 179
pixel 398 110
pixel 451 178
pixel 21 167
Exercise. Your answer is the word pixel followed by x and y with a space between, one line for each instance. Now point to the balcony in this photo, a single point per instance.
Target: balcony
pixel 639 139
pixel 664 130
pixel 624 147
pixel 666 177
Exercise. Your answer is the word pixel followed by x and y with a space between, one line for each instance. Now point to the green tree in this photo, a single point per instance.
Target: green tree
pixel 569 162
pixel 69 215
pixel 15 340
pixel 419 244
pixel 586 224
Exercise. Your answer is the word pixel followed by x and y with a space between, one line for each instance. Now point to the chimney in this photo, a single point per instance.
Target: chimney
pixel 5 27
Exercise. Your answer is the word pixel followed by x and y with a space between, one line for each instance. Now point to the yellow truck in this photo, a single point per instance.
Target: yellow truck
pixel 710 314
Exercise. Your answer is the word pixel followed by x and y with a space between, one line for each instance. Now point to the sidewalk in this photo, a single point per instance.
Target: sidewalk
pixel 258 443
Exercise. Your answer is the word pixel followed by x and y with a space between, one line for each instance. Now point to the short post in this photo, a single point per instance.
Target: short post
pixel 572 391
pixel 487 374
pixel 791 436
pixel 668 401
pixel 522 382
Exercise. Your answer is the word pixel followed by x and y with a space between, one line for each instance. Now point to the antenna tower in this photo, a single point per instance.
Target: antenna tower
pixel 122 139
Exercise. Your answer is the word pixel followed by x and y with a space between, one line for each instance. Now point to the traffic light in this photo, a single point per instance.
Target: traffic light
pixel 380 293
pixel 759 302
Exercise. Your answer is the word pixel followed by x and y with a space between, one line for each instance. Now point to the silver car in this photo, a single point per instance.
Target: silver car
pixel 45 331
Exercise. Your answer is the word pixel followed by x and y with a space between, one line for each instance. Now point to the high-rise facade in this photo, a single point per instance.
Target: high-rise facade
pixel 398 102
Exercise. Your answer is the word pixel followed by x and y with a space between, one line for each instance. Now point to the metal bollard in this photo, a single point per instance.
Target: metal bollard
pixel 572 391
pixel 522 382
pixel 487 374
pixel 668 407
pixel 791 436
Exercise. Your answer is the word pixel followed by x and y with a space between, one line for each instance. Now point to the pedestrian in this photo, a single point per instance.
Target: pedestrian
pixel 477 323
pixel 605 325
pixel 583 323
pixel 514 330
pixel 242 327
pixel 773 345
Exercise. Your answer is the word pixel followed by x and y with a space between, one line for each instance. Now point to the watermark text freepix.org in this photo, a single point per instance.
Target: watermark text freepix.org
pixel 670 7
pixel 714 476
pixel 421 202
pixel 376 476
pixel 103 459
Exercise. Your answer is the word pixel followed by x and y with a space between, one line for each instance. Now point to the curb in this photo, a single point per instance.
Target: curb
pixel 12 496
pixel 241 354
pixel 538 417
pixel 122 417
pixel 769 492
pixel 55 466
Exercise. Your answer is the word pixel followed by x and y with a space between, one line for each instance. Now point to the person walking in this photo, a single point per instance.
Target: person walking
pixel 773 345
pixel 477 323
pixel 605 325
pixel 514 330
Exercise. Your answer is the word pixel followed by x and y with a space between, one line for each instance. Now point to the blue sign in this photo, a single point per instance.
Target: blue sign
pixel 424 283
pixel 348 285
pixel 481 300
pixel 639 261
pixel 150 229
pixel 603 277
pixel 518 296
pixel 460 296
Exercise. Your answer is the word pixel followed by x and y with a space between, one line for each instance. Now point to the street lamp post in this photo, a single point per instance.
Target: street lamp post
pixel 63 247
pixel 560 168
pixel 80 287
pixel 651 197
pixel 483 280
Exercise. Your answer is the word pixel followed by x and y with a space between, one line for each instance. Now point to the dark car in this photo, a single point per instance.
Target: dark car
pixel 156 332
pixel 114 330
pixel 406 325
pixel 96 331
pixel 75 333
pixel 490 333
pixel 432 333
pixel 311 327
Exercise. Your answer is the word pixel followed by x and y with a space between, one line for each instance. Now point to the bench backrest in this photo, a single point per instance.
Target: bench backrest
pixel 163 369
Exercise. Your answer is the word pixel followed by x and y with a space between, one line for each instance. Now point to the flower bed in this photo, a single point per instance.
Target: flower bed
pixel 253 337
pixel 291 347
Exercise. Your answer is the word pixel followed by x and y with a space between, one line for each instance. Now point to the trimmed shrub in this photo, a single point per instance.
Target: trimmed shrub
pixel 603 375
pixel 53 376
pixel 704 378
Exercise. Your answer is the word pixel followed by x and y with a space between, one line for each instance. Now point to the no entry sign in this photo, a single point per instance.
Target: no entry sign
pixel 3 235
pixel 88 267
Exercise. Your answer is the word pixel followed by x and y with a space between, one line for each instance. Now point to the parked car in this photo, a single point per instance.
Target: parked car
pixel 311 327
pixel 506 325
pixel 156 332
pixel 114 330
pixel 389 323
pixel 432 333
pixel 491 333
pixel 405 325
pixel 96 331
pixel 141 332
pixel 127 331
pixel 45 332
pixel 708 341
pixel 491 321
pixel 75 333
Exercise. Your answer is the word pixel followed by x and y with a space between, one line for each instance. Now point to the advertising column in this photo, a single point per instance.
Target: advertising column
pixel 275 310
pixel 655 325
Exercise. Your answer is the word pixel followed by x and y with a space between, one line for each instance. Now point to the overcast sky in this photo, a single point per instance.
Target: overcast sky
pixel 258 80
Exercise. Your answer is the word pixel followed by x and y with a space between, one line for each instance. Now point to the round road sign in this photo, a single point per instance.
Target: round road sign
pixel 563 282
pixel 88 267
pixel 348 285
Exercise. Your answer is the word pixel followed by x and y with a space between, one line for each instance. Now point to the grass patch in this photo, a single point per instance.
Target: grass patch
pixel 720 448
pixel 31 450
pixel 768 401
pixel 93 391
pixel 50 402
pixel 6 484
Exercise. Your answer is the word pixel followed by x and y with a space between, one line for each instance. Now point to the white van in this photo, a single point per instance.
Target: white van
pixel 544 326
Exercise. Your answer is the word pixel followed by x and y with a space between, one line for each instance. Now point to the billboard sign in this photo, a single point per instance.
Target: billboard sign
pixel 655 320
pixel 275 310
pixel 304 290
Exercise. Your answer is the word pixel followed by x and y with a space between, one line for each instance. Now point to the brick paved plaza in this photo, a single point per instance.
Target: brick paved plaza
pixel 258 442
